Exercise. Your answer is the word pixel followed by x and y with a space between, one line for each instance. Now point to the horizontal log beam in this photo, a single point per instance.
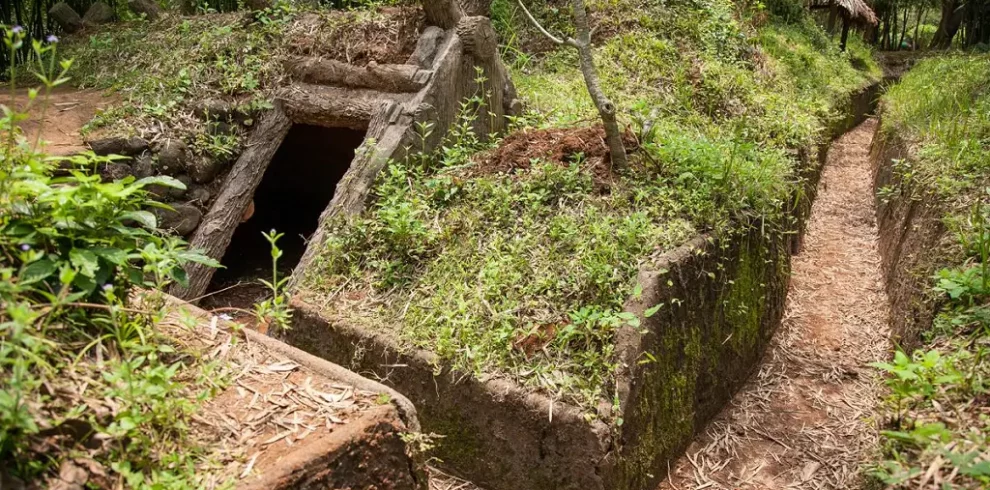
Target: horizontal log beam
pixel 332 107
pixel 384 78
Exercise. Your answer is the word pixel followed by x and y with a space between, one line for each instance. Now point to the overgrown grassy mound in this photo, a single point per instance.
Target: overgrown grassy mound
pixel 162 71
pixel 937 412
pixel 516 260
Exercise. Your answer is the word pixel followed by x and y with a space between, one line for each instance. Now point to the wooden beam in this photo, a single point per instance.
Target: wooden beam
pixel 332 107
pixel 385 77
pixel 214 233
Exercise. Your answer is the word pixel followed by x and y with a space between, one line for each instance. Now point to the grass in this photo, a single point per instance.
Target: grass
pixel 86 375
pixel 936 410
pixel 524 274
pixel 943 109
pixel 161 70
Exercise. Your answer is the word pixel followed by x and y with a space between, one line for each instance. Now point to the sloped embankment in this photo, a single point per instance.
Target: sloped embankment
pixel 931 174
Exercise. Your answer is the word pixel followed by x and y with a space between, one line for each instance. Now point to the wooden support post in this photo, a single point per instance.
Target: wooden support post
pixel 845 32
pixel 214 233
pixel 442 13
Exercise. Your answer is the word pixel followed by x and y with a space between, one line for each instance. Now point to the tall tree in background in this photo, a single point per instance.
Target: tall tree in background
pixel 582 42
pixel 948 24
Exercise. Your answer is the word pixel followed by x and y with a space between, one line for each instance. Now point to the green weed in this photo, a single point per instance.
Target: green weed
pixel 74 348
pixel 938 395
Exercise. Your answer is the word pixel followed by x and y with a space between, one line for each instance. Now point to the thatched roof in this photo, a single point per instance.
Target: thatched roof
pixel 858 11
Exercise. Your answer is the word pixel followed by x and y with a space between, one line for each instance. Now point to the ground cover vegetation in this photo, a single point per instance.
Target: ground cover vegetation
pixel 90 386
pixel 514 257
pixel 937 412
pixel 166 75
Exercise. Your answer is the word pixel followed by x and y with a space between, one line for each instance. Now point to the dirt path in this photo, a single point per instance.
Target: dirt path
pixel 68 111
pixel 802 421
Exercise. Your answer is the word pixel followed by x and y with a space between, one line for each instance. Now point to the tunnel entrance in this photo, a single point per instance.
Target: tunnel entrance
pixel 297 186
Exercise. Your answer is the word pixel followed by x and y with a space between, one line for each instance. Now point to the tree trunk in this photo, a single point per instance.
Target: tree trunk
pixel 948 24
pixel 606 108
pixel 917 26
pixel 885 31
pixel 893 28
pixel 214 233
pixel 904 28
pixel 845 33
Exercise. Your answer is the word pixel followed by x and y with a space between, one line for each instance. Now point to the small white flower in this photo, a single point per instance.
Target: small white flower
pixel 226 317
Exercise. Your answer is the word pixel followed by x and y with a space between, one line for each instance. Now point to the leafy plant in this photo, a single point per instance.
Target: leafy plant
pixel 275 310
pixel 73 249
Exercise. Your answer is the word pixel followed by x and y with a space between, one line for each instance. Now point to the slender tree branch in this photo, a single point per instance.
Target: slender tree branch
pixel 536 24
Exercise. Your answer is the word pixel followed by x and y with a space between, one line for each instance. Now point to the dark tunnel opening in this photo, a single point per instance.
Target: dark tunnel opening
pixel 297 187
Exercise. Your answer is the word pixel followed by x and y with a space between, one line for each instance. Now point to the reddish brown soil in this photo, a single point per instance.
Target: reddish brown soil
pixel 803 421
pixel 68 111
pixel 562 146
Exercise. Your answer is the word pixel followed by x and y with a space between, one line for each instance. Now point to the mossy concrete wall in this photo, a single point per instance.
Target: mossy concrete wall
pixel 912 239
pixel 722 297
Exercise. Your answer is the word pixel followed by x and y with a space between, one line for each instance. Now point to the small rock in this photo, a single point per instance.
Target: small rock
pixel 135 146
pixel 158 192
pixel 149 8
pixel 199 195
pixel 204 169
pixel 98 13
pixel 66 17
pixel 172 157
pixel 176 193
pixel 115 171
pixel 144 166
pixel 108 146
pixel 117 145
pixel 182 219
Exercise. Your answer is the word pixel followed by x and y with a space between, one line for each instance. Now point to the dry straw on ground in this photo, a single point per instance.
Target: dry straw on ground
pixel 805 419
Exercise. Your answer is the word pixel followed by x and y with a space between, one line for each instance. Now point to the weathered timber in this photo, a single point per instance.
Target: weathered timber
pixel 214 234
pixel 444 14
pixel 426 47
pixel 393 127
pixel 384 78
pixel 331 107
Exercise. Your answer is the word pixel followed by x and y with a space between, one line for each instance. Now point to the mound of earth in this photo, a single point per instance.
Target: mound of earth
pixel 583 145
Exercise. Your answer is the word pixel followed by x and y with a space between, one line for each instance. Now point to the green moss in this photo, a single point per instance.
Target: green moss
pixel 664 411
pixel 458 441
pixel 746 299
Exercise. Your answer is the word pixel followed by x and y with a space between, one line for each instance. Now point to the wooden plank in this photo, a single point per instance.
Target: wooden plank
pixel 214 233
